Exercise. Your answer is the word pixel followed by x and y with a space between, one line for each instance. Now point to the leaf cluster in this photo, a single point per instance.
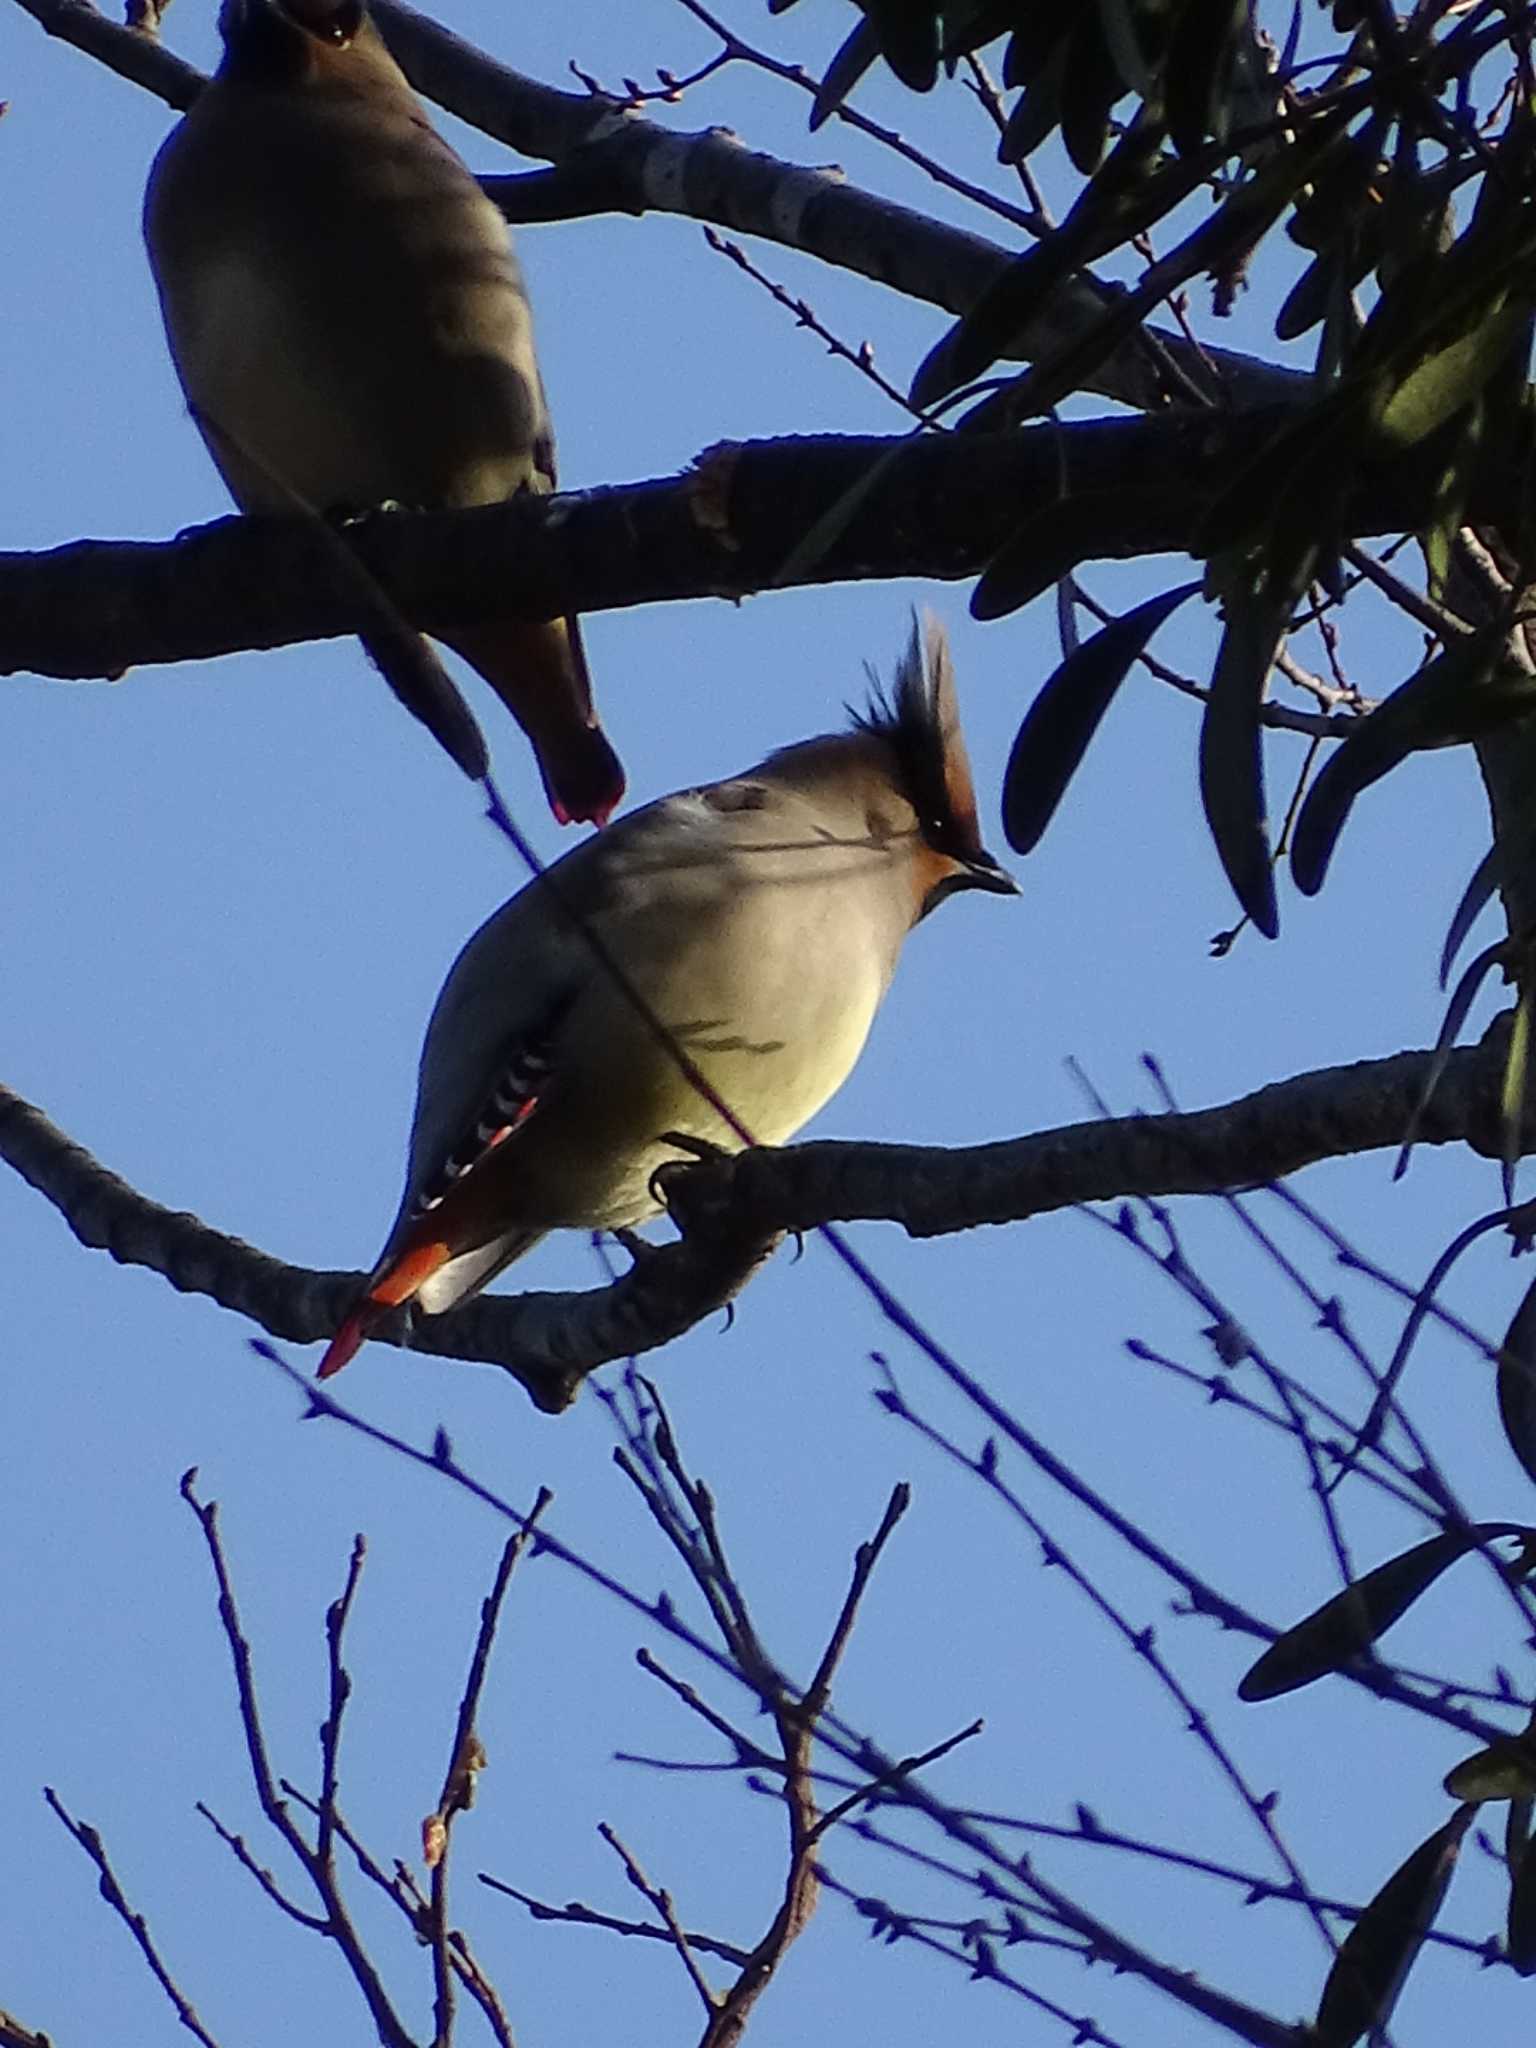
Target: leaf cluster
pixel 1399 166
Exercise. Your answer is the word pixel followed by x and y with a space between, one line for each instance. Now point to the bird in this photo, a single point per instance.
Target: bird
pixel 350 326
pixel 704 973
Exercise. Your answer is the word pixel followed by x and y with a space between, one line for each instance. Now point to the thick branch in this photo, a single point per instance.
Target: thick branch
pixel 734 1211
pixel 938 506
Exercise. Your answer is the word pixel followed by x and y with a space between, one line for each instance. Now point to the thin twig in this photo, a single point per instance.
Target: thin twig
pixel 661 1899
pixel 466 1757
pixel 239 1849
pixel 575 1914
pixel 91 1842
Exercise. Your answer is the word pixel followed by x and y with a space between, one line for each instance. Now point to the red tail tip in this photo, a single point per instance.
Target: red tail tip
pixel 346 1343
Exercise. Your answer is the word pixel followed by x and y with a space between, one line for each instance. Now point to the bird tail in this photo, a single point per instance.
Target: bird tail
pixel 390 1285
pixel 539 671
pixel 432 1273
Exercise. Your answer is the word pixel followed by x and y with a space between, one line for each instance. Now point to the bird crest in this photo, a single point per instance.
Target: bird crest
pixel 918 716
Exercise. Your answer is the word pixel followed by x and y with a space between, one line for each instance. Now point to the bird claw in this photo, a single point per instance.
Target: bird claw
pixel 640 1250
pixel 696 1148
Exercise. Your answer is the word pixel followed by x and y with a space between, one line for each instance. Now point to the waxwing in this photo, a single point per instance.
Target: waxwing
pixel 351 329
pixel 741 935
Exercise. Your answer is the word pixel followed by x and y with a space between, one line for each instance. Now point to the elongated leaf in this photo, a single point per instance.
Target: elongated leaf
pixel 1512 1092
pixel 974 23
pixel 1065 715
pixel 1199 69
pixel 992 324
pixel 1037 112
pixel 1516 1383
pixel 1450 1030
pixel 1333 273
pixel 1504 1770
pixel 1121 24
pixel 857 51
pixel 1445 381
pixel 1520 1929
pixel 1090 87
pixel 1517 1827
pixel 1050 542
pixel 909 39
pixel 1059 374
pixel 1344 1627
pixel 1231 751
pixel 1434 706
pixel 1038 29
pixel 1381 1947
pixel 1485 879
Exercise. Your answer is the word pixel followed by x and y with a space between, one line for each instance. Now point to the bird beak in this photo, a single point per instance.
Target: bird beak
pixel 981 871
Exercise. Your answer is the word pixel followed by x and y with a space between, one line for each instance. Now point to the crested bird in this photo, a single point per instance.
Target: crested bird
pixel 707 968
pixel 350 325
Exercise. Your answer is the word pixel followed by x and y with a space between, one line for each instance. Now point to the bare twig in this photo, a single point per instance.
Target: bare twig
pixel 577 1915
pixel 466 1758
pixel 319 1870
pixel 91 1842
pixel 659 1898
pixel 240 1850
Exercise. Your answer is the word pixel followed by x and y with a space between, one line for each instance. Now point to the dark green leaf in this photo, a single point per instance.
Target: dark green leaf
pixel 1065 715
pixel 1520 1930
pixel 1035 114
pixel 1453 490
pixel 1446 379
pixel 1516 1383
pixel 993 323
pixel 1517 1829
pixel 1050 542
pixel 1090 87
pixel 909 38
pixel 974 23
pixel 1121 22
pixel 1450 1030
pixel 1055 376
pixel 1381 1947
pixel 1485 879
pixel 1512 1092
pixel 858 50
pixel 1504 1770
pixel 1039 27
pixel 1231 750
pixel 1338 185
pixel 1199 70
pixel 1344 1627
pixel 1435 706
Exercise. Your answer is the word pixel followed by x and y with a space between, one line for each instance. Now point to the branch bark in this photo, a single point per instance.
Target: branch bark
pixel 733 1212
pixel 938 506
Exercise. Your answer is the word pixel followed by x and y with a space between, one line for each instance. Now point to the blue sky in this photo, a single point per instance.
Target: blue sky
pixel 232 892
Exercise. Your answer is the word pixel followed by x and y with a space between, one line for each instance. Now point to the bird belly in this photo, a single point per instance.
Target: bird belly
pixel 313 375
pixel 771 1023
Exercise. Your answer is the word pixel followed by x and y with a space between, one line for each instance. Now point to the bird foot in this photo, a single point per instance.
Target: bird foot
pixel 689 1199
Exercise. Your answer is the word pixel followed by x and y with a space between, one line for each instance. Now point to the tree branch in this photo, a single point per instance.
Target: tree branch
pixel 936 505
pixel 619 162
pixel 733 1211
